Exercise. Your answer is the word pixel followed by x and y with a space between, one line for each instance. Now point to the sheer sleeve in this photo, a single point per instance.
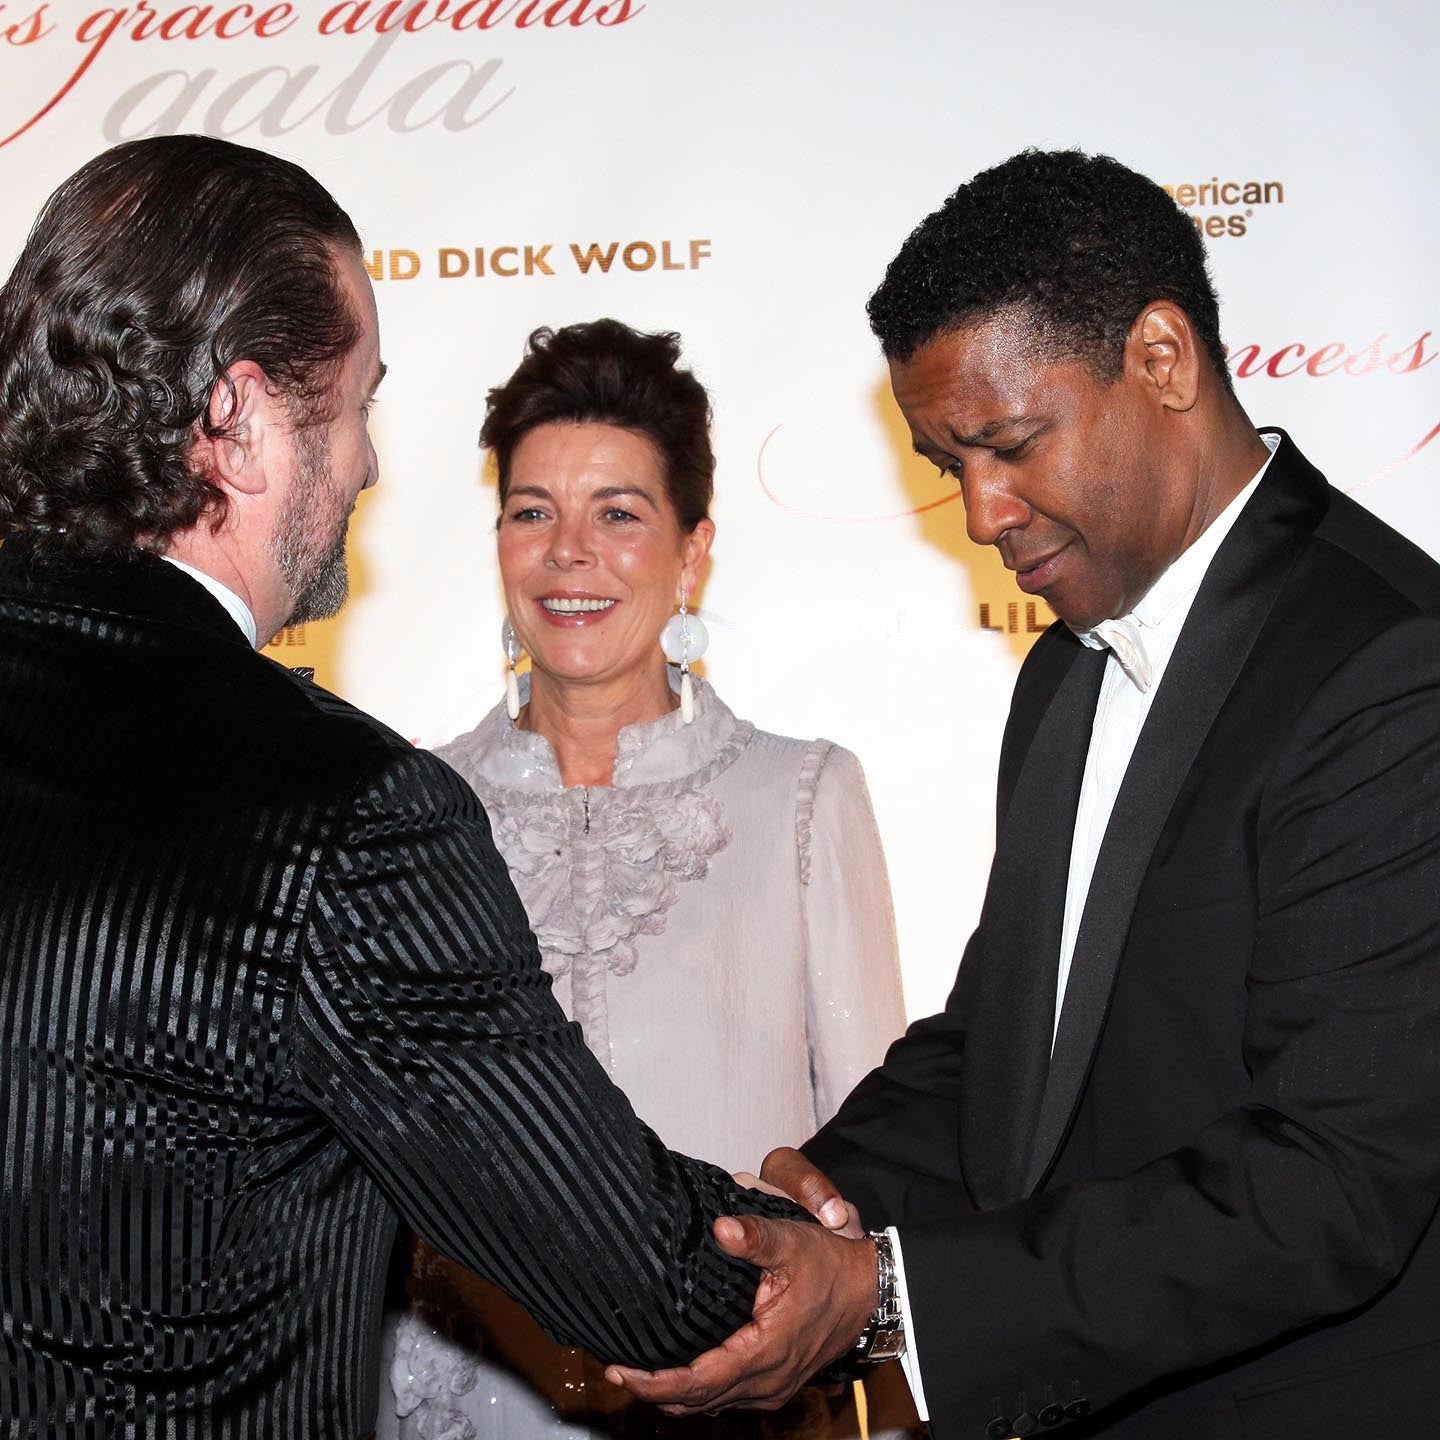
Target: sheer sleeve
pixel 854 1007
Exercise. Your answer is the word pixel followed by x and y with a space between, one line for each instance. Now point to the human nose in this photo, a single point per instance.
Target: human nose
pixel 992 508
pixel 569 546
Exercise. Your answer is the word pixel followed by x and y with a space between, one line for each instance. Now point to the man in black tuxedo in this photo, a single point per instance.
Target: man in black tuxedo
pixel 1167 1165
pixel 264 982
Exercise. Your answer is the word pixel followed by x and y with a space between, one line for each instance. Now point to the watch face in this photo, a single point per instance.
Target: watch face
pixel 884 1336
pixel 890 1345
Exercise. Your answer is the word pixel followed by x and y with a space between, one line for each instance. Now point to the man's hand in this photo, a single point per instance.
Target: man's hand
pixel 788 1172
pixel 814 1299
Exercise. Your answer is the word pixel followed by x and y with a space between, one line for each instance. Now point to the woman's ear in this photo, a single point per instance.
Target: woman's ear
pixel 694 551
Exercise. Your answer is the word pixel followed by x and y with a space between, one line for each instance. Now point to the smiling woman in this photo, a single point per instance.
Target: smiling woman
pixel 593 557
pixel 710 900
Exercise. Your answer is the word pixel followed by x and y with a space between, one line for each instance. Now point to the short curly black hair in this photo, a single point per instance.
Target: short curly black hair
pixel 604 371
pixel 151 271
pixel 1080 243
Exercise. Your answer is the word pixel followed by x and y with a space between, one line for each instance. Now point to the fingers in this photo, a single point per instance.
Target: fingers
pixel 814 1295
pixel 732 1374
pixel 658 1387
pixel 768 1244
pixel 754 1182
pixel 854 1227
pixel 724 1375
pixel 677 1392
pixel 690 1389
pixel 789 1171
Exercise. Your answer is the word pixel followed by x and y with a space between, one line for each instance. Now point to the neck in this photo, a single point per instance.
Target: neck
pixel 219 556
pixel 1226 465
pixel 582 721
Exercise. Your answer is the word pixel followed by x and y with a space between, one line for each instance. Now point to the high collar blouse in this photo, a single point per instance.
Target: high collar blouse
pixel 725 897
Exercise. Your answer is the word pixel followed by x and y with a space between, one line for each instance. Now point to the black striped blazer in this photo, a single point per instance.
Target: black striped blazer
pixel 264 985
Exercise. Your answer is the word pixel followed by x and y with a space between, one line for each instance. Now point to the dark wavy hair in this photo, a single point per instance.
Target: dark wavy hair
pixel 604 371
pixel 150 272
pixel 1080 243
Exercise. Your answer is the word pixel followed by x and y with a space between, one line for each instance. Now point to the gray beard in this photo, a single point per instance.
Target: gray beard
pixel 311 562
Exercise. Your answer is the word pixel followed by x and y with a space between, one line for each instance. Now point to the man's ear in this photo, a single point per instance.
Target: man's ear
pixel 230 448
pixel 1163 351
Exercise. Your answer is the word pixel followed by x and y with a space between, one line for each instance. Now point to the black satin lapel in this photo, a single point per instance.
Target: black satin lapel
pixel 1237 594
pixel 1011 1006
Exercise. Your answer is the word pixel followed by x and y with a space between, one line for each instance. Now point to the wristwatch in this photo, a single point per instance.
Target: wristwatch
pixel 883 1337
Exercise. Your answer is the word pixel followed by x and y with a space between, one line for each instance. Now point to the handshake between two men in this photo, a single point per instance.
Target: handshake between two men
pixel 821 1292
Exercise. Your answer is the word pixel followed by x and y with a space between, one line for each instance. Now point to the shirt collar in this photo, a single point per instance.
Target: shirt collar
pixel 235 607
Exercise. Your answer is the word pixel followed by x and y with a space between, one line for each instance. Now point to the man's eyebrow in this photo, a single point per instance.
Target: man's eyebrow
pixel 989 430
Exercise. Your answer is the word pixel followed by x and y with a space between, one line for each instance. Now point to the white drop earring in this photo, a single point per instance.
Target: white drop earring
pixel 510 642
pixel 684 639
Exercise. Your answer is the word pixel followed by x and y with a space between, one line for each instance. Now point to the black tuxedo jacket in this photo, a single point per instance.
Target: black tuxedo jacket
pixel 264 983
pixel 1210 1213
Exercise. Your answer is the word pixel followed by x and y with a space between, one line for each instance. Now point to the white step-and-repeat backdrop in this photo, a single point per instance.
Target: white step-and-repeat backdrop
pixel 741 171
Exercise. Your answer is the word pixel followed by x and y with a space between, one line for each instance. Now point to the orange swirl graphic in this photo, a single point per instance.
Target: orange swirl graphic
pixel 790 509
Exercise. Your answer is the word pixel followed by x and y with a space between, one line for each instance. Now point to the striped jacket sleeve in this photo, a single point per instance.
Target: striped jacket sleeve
pixel 426 1033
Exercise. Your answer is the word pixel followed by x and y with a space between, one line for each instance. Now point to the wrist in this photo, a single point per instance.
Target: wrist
pixel 882 1336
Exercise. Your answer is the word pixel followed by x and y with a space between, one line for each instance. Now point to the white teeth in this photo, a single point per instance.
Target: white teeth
pixel 563 606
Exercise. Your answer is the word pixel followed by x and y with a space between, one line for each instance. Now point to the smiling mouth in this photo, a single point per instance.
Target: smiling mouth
pixel 1034 578
pixel 570 605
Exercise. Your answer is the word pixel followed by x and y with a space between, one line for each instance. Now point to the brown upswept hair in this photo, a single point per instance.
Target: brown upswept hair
pixel 603 371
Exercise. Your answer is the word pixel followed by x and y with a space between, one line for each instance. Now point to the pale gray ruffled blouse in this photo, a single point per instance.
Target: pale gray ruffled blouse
pixel 718 921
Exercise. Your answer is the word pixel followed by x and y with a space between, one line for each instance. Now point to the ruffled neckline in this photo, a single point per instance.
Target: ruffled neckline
pixel 599 867
pixel 654 758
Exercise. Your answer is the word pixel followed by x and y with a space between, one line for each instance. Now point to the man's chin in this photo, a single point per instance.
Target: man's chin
pixel 1077 617
pixel 323 597
pixel 1083 612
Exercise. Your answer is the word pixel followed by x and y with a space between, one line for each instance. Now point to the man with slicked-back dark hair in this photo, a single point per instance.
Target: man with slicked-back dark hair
pixel 264 982
pixel 1168 1164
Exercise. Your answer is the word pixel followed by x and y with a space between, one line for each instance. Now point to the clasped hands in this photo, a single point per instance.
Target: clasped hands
pixel 817 1290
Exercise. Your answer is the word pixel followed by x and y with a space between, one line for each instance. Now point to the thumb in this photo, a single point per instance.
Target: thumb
pixel 791 1172
pixel 752 1238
